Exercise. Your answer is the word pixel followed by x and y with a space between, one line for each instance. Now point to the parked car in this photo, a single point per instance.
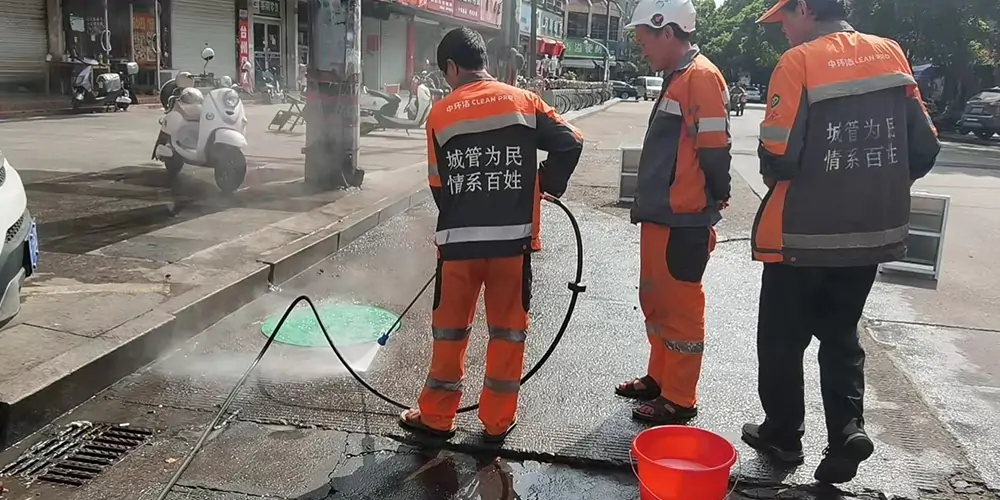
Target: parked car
pixel 754 95
pixel 19 256
pixel 623 90
pixel 649 87
pixel 982 114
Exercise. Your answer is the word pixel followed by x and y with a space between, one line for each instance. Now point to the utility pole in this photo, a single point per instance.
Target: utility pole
pixel 533 41
pixel 332 108
pixel 510 33
pixel 607 41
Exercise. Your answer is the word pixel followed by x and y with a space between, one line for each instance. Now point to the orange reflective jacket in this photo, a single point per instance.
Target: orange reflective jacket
pixel 844 135
pixel 684 165
pixel 482 143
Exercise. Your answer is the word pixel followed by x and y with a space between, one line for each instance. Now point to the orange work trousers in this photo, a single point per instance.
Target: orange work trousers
pixel 672 263
pixel 456 293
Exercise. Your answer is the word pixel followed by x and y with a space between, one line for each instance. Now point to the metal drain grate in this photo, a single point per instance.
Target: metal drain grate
pixel 78 454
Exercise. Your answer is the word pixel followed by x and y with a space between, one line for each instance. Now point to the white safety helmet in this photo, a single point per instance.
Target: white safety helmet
pixel 659 13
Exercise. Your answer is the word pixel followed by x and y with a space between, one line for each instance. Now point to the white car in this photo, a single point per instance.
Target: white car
pixel 649 87
pixel 19 256
pixel 753 95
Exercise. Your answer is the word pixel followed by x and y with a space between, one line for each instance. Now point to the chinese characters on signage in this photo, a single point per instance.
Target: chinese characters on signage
pixel 267 8
pixel 443 6
pixel 244 50
pixel 467 9
pixel 493 169
pixel 845 152
pixel 578 48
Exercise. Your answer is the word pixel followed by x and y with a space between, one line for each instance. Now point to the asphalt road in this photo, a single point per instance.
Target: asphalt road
pixel 302 430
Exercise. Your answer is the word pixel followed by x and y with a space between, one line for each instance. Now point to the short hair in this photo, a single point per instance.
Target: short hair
pixel 675 29
pixel 823 10
pixel 463 46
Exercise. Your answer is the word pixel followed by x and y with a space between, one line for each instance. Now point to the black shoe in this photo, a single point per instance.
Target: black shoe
pixel 790 455
pixel 840 462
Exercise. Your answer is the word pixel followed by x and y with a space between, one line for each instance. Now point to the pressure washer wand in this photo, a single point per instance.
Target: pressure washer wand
pixel 385 336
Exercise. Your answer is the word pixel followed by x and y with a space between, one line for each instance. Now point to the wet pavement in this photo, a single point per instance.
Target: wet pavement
pixel 302 429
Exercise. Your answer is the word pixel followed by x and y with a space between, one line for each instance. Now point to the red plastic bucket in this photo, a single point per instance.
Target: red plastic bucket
pixel 676 462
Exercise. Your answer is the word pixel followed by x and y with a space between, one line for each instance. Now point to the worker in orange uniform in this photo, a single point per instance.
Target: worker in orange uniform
pixel 683 184
pixel 844 137
pixel 483 141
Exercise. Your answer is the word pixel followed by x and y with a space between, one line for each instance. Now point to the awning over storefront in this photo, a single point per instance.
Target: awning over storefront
pixel 544 45
pixel 579 63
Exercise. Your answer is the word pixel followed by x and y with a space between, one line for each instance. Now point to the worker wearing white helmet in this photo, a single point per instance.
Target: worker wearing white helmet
pixel 683 185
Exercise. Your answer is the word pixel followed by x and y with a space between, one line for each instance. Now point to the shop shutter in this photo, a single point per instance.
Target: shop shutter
pixel 23 40
pixel 197 23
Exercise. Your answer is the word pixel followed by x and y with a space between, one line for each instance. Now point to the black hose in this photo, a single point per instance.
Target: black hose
pixel 576 287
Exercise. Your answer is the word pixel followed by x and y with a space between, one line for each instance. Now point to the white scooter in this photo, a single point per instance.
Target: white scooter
pixel 204 132
pixel 421 107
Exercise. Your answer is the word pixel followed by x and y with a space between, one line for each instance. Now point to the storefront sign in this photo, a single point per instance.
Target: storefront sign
pixel 267 8
pixel 467 9
pixel 442 6
pixel 489 12
pixel 144 38
pixel 243 35
pixel 578 48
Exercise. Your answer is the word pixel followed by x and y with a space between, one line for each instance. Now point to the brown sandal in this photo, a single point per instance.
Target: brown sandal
pixel 661 411
pixel 650 390
pixel 410 420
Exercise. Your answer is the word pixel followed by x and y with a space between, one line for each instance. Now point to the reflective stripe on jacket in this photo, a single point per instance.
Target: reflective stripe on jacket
pixel 482 142
pixel 684 165
pixel 844 135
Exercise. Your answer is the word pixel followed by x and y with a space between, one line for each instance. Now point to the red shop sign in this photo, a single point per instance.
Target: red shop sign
pixel 245 78
pixel 467 9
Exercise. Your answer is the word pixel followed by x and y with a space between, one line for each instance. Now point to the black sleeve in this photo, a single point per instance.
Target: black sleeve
pixel 923 141
pixel 715 164
pixel 563 142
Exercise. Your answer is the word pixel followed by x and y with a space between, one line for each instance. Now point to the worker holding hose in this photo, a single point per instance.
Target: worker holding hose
pixel 482 144
pixel 683 184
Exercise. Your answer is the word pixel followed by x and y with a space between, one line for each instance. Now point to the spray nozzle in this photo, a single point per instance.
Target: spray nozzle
pixel 383 339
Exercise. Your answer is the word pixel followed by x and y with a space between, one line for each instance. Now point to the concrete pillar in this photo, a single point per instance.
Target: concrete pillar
pixel 57 37
pixel 290 18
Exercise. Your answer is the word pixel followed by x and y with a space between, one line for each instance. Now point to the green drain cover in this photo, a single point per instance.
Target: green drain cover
pixel 347 325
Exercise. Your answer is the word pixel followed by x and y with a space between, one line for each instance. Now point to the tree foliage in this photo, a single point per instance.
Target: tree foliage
pixel 953 34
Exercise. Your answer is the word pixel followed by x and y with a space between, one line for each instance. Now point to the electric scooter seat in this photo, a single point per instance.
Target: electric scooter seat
pixel 383 95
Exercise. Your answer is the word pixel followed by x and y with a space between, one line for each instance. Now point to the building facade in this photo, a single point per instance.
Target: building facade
pixel 588 19
pixel 43 42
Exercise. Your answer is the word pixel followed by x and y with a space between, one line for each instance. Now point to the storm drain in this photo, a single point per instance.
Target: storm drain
pixel 78 454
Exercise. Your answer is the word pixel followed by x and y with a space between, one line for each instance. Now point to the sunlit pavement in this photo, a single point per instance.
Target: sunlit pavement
pixel 303 430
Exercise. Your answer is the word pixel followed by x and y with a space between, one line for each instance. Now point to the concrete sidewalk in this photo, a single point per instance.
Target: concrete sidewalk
pixel 132 263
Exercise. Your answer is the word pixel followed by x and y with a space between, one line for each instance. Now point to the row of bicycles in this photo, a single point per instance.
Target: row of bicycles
pixel 568 95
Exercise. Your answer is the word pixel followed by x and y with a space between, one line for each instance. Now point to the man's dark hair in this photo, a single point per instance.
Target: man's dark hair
pixel 823 10
pixel 675 30
pixel 464 47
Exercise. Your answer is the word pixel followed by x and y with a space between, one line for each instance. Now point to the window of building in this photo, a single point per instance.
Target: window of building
pixel 614 28
pixel 576 25
pixel 599 28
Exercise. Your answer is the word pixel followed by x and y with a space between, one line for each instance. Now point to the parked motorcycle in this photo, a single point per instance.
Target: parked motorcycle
pixel 114 90
pixel 273 92
pixel 203 132
pixel 422 102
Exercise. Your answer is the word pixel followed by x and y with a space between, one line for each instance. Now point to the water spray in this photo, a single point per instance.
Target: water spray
pixel 576 287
